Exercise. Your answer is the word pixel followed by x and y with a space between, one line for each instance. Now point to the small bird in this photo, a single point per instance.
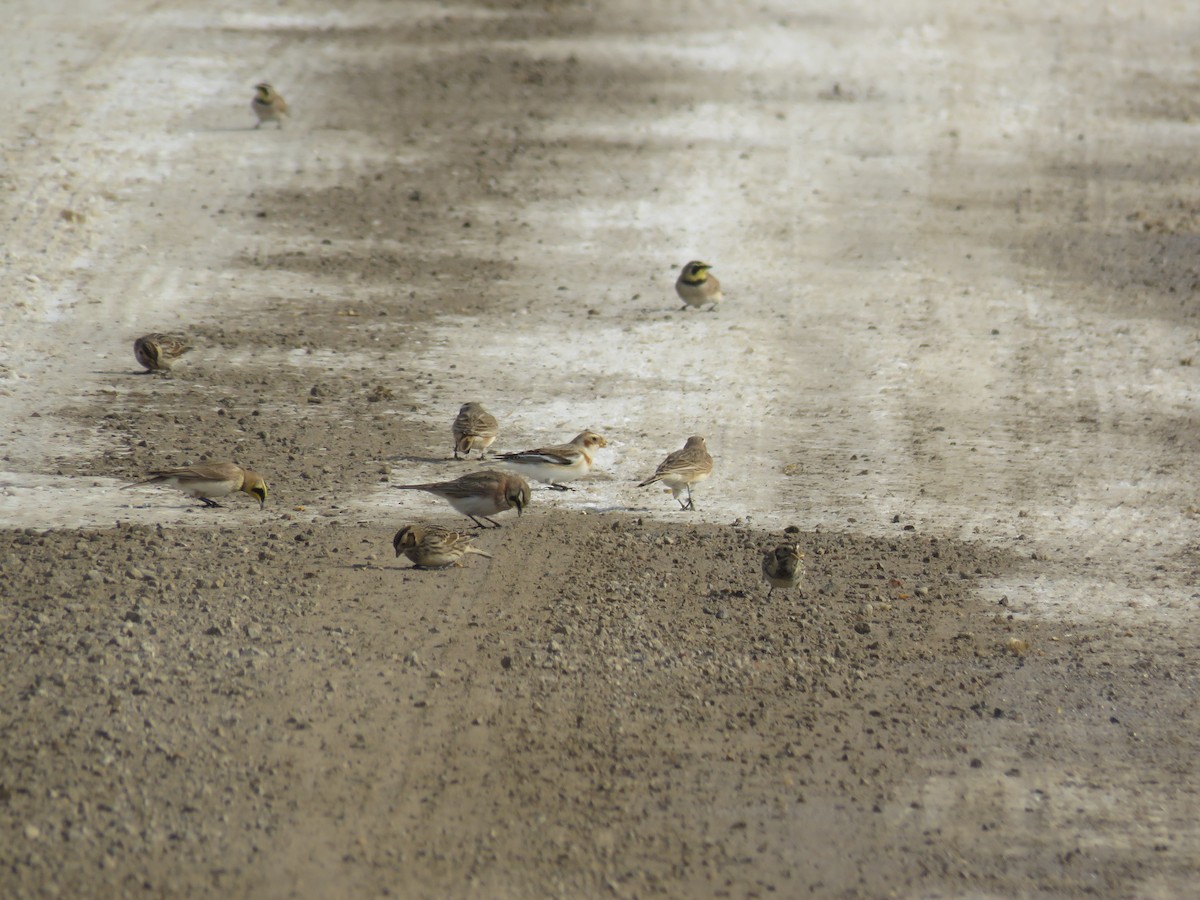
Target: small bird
pixel 562 462
pixel 158 352
pixel 479 495
pixel 474 427
pixel 268 105
pixel 696 287
pixel 683 468
pixel 433 546
pixel 208 480
pixel 782 566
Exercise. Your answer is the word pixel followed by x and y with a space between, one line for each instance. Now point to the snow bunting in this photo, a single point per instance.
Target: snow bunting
pixel 562 462
pixel 480 494
pixel 782 566
pixel 683 468
pixel 209 480
pixel 696 287
pixel 434 547
pixel 158 352
pixel 268 105
pixel 474 427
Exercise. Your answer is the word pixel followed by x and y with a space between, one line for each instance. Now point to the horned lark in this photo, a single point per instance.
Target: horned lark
pixel 480 494
pixel 209 480
pixel 268 105
pixel 474 427
pixel 434 547
pixel 158 352
pixel 782 566
pixel 696 287
pixel 562 462
pixel 683 468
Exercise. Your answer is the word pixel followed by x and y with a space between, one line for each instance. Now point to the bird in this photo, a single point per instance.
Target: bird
pixel 683 468
pixel 480 495
pixel 268 105
pixel 782 566
pixel 562 462
pixel 474 427
pixel 696 287
pixel 208 480
pixel 159 352
pixel 434 546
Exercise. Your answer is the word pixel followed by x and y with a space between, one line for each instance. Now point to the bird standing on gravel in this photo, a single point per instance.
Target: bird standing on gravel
pixel 782 566
pixel 158 352
pixel 474 427
pixel 562 462
pixel 208 480
pixel 696 287
pixel 683 468
pixel 434 547
pixel 480 494
pixel 268 105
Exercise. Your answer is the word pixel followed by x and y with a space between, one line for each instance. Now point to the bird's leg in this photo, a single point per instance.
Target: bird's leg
pixel 210 503
pixel 560 487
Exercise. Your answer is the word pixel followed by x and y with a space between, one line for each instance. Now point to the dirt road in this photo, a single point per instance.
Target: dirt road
pixel 954 360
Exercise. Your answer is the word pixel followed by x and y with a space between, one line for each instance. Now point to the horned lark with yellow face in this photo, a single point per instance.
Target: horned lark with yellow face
pixel 474 427
pixel 208 480
pixel 159 352
pixel 782 567
pixel 562 462
pixel 433 546
pixel 696 287
pixel 479 495
pixel 683 468
pixel 268 105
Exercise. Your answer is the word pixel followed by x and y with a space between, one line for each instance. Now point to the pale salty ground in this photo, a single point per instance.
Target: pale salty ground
pixel 885 355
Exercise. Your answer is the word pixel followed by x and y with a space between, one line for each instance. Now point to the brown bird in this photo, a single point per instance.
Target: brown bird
pixel 268 105
pixel 434 547
pixel 208 480
pixel 474 427
pixel 696 287
pixel 479 495
pixel 782 566
pixel 683 468
pixel 562 462
pixel 158 352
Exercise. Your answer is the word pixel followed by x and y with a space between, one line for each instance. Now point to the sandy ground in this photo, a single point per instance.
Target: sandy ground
pixel 955 361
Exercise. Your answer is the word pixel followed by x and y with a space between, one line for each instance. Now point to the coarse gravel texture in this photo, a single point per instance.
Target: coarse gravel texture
pixel 955 364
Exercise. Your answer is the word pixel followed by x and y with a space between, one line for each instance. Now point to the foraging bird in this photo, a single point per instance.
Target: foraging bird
pixel 683 468
pixel 782 566
pixel 696 287
pixel 433 546
pixel 479 495
pixel 562 462
pixel 208 480
pixel 474 427
pixel 159 352
pixel 268 105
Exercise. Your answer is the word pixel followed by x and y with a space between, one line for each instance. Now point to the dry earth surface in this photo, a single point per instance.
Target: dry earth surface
pixel 954 363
